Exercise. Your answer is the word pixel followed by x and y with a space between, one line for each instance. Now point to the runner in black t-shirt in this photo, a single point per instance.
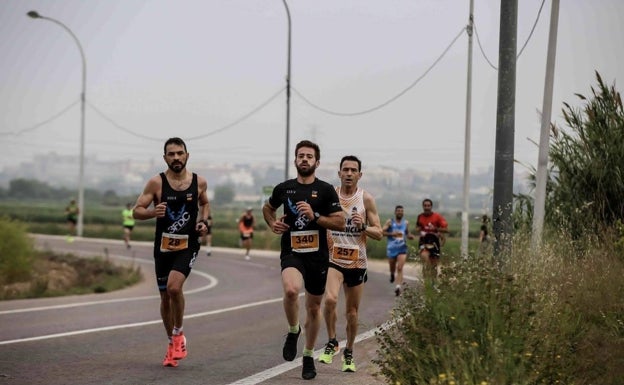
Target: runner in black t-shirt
pixel 311 206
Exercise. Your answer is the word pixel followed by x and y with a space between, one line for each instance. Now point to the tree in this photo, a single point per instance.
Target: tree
pixel 587 172
pixel 29 188
pixel 224 194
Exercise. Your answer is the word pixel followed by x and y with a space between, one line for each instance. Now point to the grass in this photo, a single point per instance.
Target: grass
pixel 53 275
pixel 553 317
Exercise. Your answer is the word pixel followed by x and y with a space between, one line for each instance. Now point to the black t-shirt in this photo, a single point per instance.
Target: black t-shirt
pixel 320 195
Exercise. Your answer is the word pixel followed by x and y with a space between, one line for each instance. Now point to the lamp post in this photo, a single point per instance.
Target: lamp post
pixel 36 15
pixel 286 163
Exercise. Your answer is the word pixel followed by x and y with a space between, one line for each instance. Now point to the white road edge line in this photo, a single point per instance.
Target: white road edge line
pixel 279 369
pixel 139 324
pixel 213 281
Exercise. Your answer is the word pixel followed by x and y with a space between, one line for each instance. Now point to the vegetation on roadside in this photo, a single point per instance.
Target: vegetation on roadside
pixel 27 273
pixel 551 316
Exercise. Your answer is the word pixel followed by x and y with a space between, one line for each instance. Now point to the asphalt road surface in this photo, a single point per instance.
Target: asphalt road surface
pixel 234 323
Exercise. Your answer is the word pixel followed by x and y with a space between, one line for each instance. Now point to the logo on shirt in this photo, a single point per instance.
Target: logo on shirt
pixel 301 221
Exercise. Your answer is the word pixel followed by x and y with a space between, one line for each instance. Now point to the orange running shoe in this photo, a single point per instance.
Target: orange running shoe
pixel 179 347
pixel 169 361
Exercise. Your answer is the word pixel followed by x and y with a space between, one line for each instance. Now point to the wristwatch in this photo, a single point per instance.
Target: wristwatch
pixel 316 216
pixel 364 226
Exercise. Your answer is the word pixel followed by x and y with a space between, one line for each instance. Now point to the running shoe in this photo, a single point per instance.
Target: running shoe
pixel 348 363
pixel 397 291
pixel 331 349
pixel 289 352
pixel 309 371
pixel 169 361
pixel 179 347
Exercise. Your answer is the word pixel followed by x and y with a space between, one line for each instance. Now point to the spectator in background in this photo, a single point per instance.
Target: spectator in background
pixel 431 227
pixel 484 234
pixel 71 215
pixel 246 224
pixel 397 230
pixel 127 223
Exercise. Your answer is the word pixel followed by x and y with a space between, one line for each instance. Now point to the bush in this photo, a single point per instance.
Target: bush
pixel 16 250
pixel 552 318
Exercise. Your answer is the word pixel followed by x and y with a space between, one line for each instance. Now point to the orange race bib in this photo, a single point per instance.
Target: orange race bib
pixel 173 242
pixel 346 252
pixel 304 241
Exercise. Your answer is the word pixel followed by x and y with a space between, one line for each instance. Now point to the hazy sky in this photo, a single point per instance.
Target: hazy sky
pixel 185 68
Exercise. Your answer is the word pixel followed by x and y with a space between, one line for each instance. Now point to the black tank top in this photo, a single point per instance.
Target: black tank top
pixel 181 215
pixel 247 221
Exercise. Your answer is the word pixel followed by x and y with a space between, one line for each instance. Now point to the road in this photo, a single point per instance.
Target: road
pixel 234 324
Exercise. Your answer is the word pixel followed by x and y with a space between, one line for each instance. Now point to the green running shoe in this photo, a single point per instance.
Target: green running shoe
pixel 348 364
pixel 331 349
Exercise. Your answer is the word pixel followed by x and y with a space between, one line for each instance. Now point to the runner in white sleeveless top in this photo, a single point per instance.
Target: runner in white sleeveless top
pixel 347 258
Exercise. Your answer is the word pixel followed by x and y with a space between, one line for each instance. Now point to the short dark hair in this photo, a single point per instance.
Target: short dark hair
pixel 398 207
pixel 307 143
pixel 427 200
pixel 351 158
pixel 174 140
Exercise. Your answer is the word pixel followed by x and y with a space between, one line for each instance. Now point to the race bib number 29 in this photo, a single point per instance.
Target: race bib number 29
pixel 173 242
pixel 304 241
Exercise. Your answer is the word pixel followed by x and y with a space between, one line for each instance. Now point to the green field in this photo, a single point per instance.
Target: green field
pixel 102 221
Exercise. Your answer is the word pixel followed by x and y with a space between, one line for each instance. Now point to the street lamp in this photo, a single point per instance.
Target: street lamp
pixel 36 15
pixel 286 163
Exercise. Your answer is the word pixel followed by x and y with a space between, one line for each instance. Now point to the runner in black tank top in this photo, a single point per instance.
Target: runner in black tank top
pixel 178 199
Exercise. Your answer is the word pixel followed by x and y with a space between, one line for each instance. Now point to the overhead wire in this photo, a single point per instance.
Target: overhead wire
pixel 539 12
pixel 392 99
pixel 213 132
pixel 42 123
pixel 242 118
pixel 275 95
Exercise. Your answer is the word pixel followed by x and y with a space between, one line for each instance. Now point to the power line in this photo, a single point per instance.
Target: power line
pixel 213 132
pixel 34 127
pixel 124 129
pixel 539 12
pixel 237 121
pixel 532 29
pixel 392 99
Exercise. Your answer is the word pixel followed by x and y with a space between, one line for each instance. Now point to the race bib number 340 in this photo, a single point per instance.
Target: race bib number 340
pixel 304 241
pixel 173 242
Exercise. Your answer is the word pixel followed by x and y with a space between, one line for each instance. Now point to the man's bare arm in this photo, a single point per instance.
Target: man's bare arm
pixel 373 228
pixel 149 196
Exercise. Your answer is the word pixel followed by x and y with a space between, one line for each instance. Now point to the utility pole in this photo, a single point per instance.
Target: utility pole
pixel 466 211
pixel 505 129
pixel 286 162
pixel 541 176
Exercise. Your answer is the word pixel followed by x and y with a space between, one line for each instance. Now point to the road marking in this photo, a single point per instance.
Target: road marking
pixel 285 367
pixel 139 324
pixel 212 282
